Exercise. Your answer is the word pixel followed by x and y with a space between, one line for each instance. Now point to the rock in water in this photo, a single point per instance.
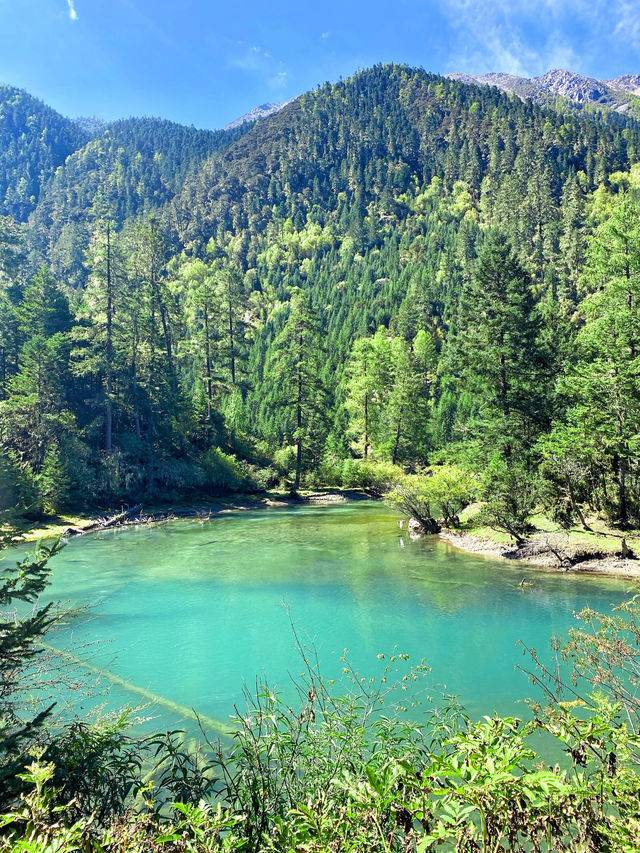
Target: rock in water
pixel 420 527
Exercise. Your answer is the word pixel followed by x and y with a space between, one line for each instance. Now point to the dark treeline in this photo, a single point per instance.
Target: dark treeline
pixel 397 269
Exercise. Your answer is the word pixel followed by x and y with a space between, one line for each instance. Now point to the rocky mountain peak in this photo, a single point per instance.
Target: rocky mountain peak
pixel 610 94
pixel 626 83
pixel 260 111
pixel 574 86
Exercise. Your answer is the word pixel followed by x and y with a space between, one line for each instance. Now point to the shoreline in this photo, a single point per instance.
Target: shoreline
pixel 72 526
pixel 537 553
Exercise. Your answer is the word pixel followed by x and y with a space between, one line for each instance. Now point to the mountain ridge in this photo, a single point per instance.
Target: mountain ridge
pixel 617 94
pixel 261 111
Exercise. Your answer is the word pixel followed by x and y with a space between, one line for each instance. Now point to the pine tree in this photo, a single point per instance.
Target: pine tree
pixel 296 370
pixel 605 384
pixel 366 388
pixel 99 337
pixel 19 651
pixel 497 350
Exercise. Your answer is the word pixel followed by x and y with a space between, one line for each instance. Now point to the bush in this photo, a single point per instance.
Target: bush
pixel 511 494
pixel 284 460
pixel 19 492
pixel 442 491
pixel 265 478
pixel 376 477
pixel 66 478
pixel 407 496
pixel 222 472
pixel 450 490
pixel 348 774
pixel 330 471
pixel 125 474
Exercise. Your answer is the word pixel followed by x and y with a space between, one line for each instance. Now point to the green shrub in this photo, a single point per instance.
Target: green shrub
pixel 443 491
pixel 284 460
pixel 346 774
pixel 222 472
pixel 265 478
pixel 408 497
pixel 511 494
pixel 376 477
pixel 19 493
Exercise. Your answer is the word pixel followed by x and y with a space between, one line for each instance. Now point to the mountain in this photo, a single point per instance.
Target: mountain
pixel 34 141
pixel 362 206
pixel 256 113
pixel 92 125
pixel 626 83
pixel 619 95
pixel 202 181
pixel 393 123
pixel 133 167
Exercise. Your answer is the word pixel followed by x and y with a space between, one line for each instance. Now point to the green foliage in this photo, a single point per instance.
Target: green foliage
pixel 351 773
pixel 461 263
pixel 603 420
pixel 222 472
pixel 497 349
pixel 376 477
pixel 18 490
pixel 511 494
pixel 296 370
pixel 355 771
pixel 34 141
pixel 387 394
pixel 442 492
pixel 410 498
pixel 20 633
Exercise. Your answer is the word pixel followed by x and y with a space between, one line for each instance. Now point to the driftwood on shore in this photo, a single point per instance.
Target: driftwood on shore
pixel 104 523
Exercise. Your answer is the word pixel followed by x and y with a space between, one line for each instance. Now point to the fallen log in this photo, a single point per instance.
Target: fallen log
pixel 105 523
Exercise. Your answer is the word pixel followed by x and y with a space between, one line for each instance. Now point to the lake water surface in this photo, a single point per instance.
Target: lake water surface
pixel 190 611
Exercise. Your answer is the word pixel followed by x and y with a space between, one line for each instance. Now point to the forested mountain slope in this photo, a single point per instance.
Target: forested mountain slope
pixel 386 132
pixel 133 167
pixel 34 141
pixel 371 193
pixel 396 267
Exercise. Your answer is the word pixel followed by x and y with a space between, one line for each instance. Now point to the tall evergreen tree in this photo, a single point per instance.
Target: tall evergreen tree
pixel 296 370
pixel 497 350
pixel 102 299
pixel 604 386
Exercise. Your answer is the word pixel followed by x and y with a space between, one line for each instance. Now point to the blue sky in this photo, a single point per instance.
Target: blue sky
pixel 205 63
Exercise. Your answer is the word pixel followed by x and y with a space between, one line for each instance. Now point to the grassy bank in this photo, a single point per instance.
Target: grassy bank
pixel 600 549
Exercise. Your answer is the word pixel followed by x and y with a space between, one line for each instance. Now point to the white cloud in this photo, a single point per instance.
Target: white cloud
pixel 73 15
pixel 253 58
pixel 528 37
pixel 521 37
pixel 279 80
pixel 627 28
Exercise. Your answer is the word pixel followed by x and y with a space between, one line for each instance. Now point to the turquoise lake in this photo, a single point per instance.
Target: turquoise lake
pixel 191 611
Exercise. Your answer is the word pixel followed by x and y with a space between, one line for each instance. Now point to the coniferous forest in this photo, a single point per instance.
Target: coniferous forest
pixel 398 268
pixel 400 284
